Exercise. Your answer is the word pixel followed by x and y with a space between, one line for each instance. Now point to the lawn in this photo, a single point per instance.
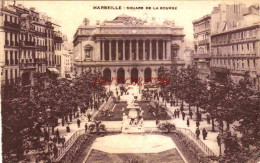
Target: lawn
pixel 171 155
pixel 117 112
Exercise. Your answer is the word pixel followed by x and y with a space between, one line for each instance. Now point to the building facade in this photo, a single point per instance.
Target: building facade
pixel 202 46
pixel 28 45
pixel 235 49
pixel 128 48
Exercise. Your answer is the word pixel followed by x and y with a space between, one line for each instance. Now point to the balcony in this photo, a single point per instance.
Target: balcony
pixel 205 41
pixel 40 34
pixel 11 25
pixel 40 60
pixel 27 64
pixel 40 47
pixel 58 39
pixel 27 43
pixel 201 56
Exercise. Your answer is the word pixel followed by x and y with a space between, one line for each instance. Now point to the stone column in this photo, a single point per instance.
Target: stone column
pixel 164 57
pixel 123 49
pixel 110 51
pixel 130 49
pixel 144 56
pixel 103 50
pixel 168 49
pixel 150 52
pixel 157 50
pixel 116 50
pixel 137 49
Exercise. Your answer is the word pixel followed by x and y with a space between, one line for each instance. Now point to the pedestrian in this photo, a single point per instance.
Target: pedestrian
pixel 190 114
pixel 204 133
pixel 198 124
pixel 57 133
pixel 59 140
pixel 62 122
pixel 173 101
pixel 54 140
pixel 208 119
pixel 219 140
pixel 157 121
pixel 197 133
pixel 183 115
pixel 55 151
pixel 89 117
pixel 175 113
pixel 86 127
pixel 178 113
pixel 188 122
pixel 63 141
pixel 78 122
pixel 182 107
pixel 68 129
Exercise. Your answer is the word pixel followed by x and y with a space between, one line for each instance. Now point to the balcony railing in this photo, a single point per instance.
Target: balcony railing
pixel 40 34
pixel 27 43
pixel 202 55
pixel 41 47
pixel 11 25
pixel 58 39
pixel 206 41
pixel 40 60
pixel 27 65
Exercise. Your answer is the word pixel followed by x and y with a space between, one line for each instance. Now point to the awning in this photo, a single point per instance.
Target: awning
pixel 53 70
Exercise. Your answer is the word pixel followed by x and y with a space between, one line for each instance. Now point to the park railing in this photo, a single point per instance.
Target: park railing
pixel 68 144
pixel 187 132
pixel 107 104
pixel 198 141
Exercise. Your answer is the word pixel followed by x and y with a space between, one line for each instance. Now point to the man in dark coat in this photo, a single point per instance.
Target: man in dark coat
pixel 183 115
pixel 57 133
pixel 197 133
pixel 204 133
pixel 190 114
pixel 188 122
pixel 178 113
pixel 198 124
pixel 78 122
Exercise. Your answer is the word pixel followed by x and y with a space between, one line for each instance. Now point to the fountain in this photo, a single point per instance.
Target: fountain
pixel 133 122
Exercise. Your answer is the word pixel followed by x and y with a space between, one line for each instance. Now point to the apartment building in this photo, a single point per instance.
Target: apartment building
pixel 28 45
pixel 235 48
pixel 202 46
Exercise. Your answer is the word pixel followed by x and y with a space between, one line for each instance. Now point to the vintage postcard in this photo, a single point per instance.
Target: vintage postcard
pixel 130 81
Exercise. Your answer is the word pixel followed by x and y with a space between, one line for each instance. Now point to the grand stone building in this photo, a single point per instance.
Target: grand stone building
pixel 127 47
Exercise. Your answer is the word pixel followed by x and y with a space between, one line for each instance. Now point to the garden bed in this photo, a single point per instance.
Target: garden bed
pixel 116 113
pixel 171 155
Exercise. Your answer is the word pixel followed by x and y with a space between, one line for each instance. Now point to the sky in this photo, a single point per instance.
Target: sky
pixel 70 14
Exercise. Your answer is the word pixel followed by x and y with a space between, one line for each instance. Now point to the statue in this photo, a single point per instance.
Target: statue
pixel 86 21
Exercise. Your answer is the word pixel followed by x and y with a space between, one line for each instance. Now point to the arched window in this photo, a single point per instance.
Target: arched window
pixel 147 75
pixel 134 75
pixel 121 76
pixel 107 75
